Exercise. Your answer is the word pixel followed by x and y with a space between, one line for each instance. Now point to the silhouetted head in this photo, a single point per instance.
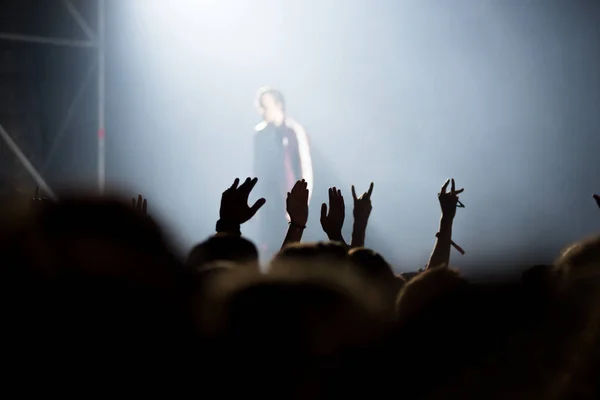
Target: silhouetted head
pixel 101 283
pixel 371 264
pixel 294 326
pixel 374 270
pixel 271 105
pixel 224 248
pixel 106 237
pixel 539 278
pixel 313 256
pixel 582 255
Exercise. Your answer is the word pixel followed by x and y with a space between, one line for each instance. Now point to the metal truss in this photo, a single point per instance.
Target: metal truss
pixel 94 41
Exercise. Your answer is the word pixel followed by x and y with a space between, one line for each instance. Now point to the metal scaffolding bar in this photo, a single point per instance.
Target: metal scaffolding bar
pixel 16 37
pixel 26 163
pixel 69 115
pixel 94 41
pixel 101 98
pixel 80 20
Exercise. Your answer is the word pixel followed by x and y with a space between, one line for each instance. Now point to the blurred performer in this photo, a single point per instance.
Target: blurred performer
pixel 281 157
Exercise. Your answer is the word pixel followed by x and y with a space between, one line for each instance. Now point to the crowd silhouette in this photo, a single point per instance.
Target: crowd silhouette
pixel 95 300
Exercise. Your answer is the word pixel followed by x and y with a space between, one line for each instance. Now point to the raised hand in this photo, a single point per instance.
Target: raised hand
pixel 362 205
pixel 597 198
pixel 449 200
pixel 362 211
pixel 141 205
pixel 440 257
pixel 297 204
pixel 234 210
pixel 333 221
pixel 297 209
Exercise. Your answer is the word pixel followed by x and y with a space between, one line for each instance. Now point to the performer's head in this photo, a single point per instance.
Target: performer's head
pixel 271 105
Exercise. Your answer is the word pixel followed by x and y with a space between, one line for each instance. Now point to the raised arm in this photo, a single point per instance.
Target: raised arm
pixel 362 211
pixel 440 257
pixel 297 209
pixel 332 222
pixel 234 210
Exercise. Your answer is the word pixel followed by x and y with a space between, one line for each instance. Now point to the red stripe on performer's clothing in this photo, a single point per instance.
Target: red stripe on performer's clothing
pixel 101 133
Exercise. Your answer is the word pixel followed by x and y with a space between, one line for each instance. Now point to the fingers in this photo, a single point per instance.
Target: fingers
pixel 336 200
pixel 299 186
pixel 299 191
pixel 443 191
pixel 305 192
pixel 140 204
pixel 453 189
pixel 247 185
pixel 365 196
pixel 252 183
pixel 340 198
pixel 259 203
pixel 335 195
pixel 245 188
pixel 323 212
pixel 235 184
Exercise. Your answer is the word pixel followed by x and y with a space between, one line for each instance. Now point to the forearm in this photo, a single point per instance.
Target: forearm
pixel 359 231
pixel 441 250
pixel 294 235
pixel 337 238
pixel 227 228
